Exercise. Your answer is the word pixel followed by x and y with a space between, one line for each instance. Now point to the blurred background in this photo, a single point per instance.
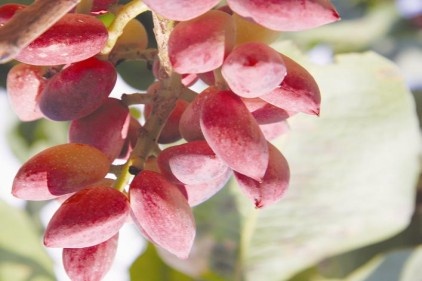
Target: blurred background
pixel 238 243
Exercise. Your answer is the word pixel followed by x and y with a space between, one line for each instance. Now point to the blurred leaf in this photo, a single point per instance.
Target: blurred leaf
pixel 412 270
pixel 368 263
pixel 33 210
pixel 29 138
pixel 22 256
pixel 146 19
pixel 391 267
pixel 136 74
pixel 408 57
pixel 385 260
pixel 149 267
pixel 4 69
pixel 397 265
pixel 107 18
pixel 353 170
pixel 418 99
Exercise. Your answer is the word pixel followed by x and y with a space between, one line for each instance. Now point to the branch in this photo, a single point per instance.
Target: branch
pixel 137 98
pixel 164 102
pixel 162 30
pixel 187 94
pixel 163 105
pixel 29 23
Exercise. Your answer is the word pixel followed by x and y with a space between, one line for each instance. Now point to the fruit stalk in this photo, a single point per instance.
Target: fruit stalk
pixel 127 12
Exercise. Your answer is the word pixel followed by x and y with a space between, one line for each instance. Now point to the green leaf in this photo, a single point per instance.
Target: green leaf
pixel 353 170
pixel 370 262
pixel 29 138
pixel 4 69
pixel 136 74
pixel 107 18
pixel 412 270
pixel 149 267
pixel 397 265
pixel 390 269
pixel 22 255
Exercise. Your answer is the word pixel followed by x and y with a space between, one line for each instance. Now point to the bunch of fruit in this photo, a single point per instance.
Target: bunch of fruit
pixel 68 73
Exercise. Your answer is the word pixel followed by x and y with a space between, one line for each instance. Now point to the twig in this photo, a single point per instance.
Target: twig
pixel 187 94
pixel 137 98
pixel 219 79
pixel 164 102
pixel 29 23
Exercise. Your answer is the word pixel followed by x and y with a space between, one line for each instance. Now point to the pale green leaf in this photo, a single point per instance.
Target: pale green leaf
pixel 353 170
pixel 28 138
pixel 370 262
pixel 412 270
pixel 22 255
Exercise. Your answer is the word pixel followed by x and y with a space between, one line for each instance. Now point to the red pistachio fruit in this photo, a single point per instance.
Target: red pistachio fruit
pixel 162 213
pixel 87 218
